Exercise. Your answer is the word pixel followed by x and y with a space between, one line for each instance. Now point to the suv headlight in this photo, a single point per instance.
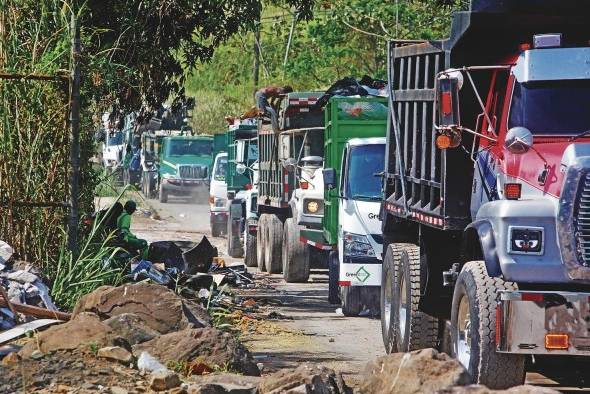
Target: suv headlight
pixel 357 245
pixel 313 206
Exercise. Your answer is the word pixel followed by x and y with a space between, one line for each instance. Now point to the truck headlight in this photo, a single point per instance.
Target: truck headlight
pixel 313 206
pixel 526 240
pixel 357 245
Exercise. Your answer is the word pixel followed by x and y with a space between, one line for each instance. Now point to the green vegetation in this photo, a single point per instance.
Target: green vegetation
pixel 345 38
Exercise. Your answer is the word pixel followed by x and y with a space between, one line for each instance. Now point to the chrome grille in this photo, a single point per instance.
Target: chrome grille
pixel 582 221
pixel 192 171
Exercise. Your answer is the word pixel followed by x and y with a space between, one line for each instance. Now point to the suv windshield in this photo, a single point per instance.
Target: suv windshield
pixel 364 162
pixel 220 168
pixel 189 147
pixel 551 107
pixel 115 138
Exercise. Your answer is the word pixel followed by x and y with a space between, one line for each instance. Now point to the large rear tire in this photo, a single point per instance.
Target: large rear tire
pixel 261 242
pixel 473 329
pixel 412 328
pixel 234 246
pixel 163 195
pixel 295 265
pixel 216 229
pixel 274 244
pixel 251 250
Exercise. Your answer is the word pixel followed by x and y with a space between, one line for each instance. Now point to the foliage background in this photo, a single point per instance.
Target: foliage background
pixel 345 38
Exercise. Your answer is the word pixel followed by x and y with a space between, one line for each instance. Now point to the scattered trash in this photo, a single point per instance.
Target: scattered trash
pixel 364 313
pixel 339 312
pixel 22 329
pixel 200 258
pixel 147 363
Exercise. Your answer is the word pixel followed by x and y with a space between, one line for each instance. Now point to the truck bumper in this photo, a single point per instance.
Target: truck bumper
pixel 315 238
pixel 543 322
pixel 314 222
pixel 365 273
pixel 184 187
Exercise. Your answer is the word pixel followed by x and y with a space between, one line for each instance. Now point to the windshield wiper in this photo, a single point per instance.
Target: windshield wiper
pixel 583 134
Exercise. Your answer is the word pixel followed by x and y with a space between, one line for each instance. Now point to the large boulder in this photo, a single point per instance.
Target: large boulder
pixel 85 330
pixel 157 306
pixel 306 378
pixel 206 345
pixel 421 371
pixel 132 328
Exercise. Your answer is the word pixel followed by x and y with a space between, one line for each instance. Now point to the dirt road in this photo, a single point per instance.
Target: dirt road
pixel 313 330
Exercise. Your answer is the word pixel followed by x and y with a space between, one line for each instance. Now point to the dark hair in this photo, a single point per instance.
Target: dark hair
pixel 130 206
pixel 287 89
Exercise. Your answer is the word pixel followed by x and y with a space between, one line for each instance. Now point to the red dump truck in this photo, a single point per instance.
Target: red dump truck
pixel 486 210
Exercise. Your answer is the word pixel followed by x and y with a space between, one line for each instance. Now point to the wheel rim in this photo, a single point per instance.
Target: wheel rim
pixel 387 303
pixel 402 308
pixel 463 333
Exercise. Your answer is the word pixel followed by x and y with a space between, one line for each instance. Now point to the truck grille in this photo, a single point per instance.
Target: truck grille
pixel 192 171
pixel 582 221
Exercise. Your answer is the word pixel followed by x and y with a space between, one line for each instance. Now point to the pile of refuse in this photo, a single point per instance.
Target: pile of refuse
pixel 22 292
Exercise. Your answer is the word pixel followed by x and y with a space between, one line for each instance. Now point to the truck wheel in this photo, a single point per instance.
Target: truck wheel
pixel 473 329
pixel 413 329
pixel 295 265
pixel 251 251
pixel 388 272
pixel 260 242
pixel 215 229
pixel 163 195
pixel 274 243
pixel 333 276
pixel 234 247
pixel 351 300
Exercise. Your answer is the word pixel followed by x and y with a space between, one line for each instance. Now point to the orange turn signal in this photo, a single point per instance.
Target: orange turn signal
pixel 443 141
pixel 557 341
pixel 512 191
pixel 211 199
pixel 304 185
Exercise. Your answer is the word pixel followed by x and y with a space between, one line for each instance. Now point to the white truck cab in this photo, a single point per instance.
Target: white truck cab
pixel 360 239
pixel 218 206
pixel 309 196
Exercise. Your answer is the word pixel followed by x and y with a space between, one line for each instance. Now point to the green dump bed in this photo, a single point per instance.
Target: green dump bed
pixel 346 118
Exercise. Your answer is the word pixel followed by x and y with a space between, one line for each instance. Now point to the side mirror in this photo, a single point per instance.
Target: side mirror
pixel 518 140
pixel 449 85
pixel 329 178
pixel 290 164
pixel 241 168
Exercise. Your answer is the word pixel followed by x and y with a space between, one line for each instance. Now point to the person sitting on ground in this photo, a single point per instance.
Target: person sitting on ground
pixel 267 100
pixel 132 243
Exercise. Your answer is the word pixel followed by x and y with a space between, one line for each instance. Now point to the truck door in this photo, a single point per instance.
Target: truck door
pixel 487 153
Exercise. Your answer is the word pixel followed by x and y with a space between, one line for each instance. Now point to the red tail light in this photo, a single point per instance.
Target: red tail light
pixel 512 191
pixel 446 103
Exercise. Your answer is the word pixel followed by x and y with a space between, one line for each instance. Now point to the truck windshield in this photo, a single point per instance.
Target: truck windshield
pixel 220 169
pixel 364 162
pixel 551 107
pixel 115 138
pixel 189 147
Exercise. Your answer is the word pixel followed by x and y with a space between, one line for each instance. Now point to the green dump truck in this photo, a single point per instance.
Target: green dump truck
pixel 353 162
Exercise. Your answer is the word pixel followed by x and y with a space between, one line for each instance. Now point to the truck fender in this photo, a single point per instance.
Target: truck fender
pixel 482 232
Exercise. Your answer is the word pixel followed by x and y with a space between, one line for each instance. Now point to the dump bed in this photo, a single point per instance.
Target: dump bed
pixel 346 118
pixel 298 112
pixel 423 183
pixel 246 133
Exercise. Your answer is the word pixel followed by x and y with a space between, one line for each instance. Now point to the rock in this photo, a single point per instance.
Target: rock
pixel 37 355
pixel 118 390
pixel 132 328
pixel 417 372
pixel 115 353
pixel 159 307
pixel 84 330
pixel 6 253
pixel 306 378
pixel 479 389
pixel 146 362
pixel 164 380
pixel 21 276
pixel 209 345
pixel 223 384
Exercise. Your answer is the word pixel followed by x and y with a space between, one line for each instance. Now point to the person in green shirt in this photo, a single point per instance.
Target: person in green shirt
pixel 133 243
